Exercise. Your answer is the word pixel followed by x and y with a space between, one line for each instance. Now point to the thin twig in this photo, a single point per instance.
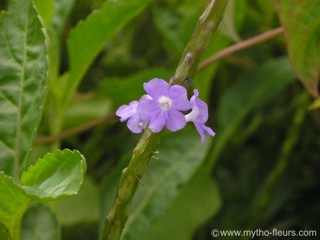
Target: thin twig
pixel 240 46
pixel 75 130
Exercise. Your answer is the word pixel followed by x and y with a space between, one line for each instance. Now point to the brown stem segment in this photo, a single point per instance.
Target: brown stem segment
pixel 240 46
pixel 75 130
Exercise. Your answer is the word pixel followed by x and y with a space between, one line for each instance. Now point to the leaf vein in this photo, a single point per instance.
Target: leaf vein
pixel 8 100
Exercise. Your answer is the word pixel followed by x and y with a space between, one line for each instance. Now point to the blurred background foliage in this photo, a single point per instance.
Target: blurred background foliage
pixel 260 171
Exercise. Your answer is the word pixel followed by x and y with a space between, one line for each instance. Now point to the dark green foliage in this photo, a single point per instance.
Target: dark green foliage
pixel 261 171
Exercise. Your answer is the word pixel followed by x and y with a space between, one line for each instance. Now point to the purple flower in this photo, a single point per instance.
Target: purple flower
pixel 137 120
pixel 165 105
pixel 199 115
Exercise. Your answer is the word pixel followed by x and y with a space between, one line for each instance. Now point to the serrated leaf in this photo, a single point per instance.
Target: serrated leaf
pixel 301 23
pixel 125 90
pixel 179 156
pixel 198 201
pixel 39 223
pixel 23 77
pixel 13 203
pixel 91 35
pixel 56 175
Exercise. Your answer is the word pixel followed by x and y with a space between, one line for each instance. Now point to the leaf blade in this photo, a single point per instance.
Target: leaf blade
pixel 301 26
pixel 39 223
pixel 13 203
pixel 248 93
pixel 189 210
pixel 56 175
pixel 112 16
pixel 23 77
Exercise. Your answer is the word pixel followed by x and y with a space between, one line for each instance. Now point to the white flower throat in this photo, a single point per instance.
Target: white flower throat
pixel 165 103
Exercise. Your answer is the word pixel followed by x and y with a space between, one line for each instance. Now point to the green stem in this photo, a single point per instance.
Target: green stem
pixel 207 24
pixel 187 68
pixel 15 232
pixel 129 181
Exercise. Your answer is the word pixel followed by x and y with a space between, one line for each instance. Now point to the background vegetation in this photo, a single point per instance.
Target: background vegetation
pixel 260 171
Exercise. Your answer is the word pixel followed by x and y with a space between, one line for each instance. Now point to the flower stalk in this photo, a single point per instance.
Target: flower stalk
pixel 207 24
pixel 148 143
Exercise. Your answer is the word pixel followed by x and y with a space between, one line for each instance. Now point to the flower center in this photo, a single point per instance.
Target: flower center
pixel 165 103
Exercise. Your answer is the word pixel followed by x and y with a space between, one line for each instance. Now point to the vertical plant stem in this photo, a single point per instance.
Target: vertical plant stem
pixel 187 68
pixel 129 181
pixel 207 24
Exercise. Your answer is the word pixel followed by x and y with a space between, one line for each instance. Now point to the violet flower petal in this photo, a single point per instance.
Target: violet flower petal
pixel 158 121
pixel 208 130
pixel 199 108
pixel 175 121
pixel 135 125
pixel 179 97
pixel 156 87
pixel 201 131
pixel 127 111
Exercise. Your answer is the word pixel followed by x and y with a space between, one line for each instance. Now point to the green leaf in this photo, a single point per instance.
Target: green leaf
pixel 82 208
pixel 179 156
pixel 56 175
pixel 125 90
pixel 60 13
pixel 13 204
pixel 254 89
pixel 62 9
pixel 23 77
pixel 54 13
pixel 168 25
pixel 301 23
pixel 39 223
pixel 227 25
pixel 45 9
pixel 91 35
pixel 251 91
pixel 4 235
pixel 197 202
